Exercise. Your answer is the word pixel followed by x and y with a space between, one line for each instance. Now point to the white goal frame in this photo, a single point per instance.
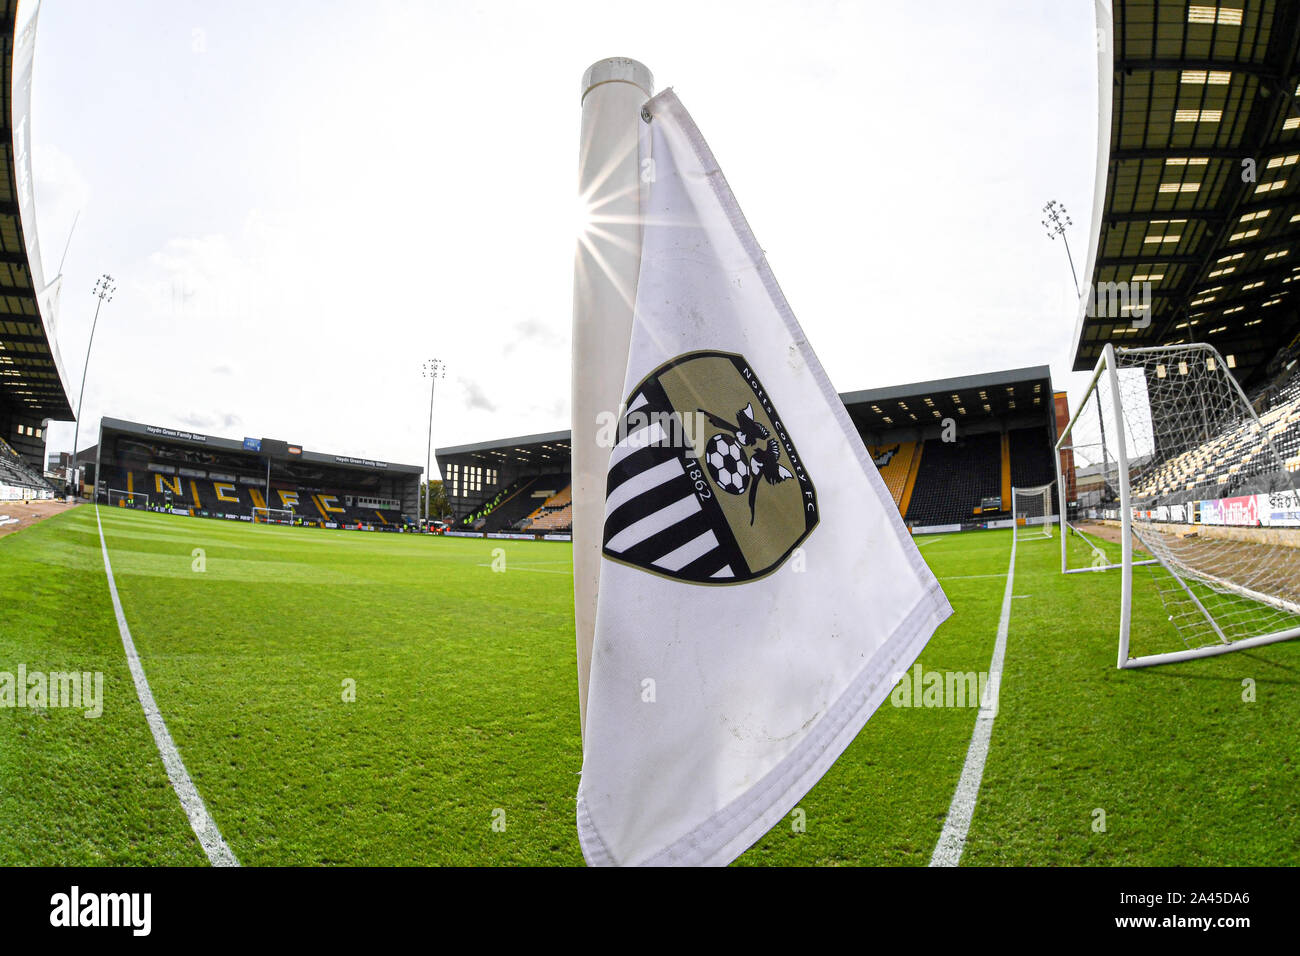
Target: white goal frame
pixel 127 494
pixel 1032 532
pixel 268 512
pixel 1113 418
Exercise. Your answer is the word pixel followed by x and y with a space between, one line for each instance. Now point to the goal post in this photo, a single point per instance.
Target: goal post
pixel 1166 466
pixel 1092 479
pixel 127 499
pixel 1031 509
pixel 272 516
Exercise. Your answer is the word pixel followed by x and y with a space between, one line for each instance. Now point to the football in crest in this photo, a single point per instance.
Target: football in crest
pixel 727 464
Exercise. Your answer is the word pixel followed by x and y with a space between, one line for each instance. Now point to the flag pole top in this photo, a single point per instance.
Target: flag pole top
pixel 618 69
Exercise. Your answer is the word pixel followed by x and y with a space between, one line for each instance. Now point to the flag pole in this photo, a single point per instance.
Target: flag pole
pixel 604 290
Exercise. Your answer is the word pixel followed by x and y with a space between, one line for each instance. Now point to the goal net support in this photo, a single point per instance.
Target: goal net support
pixel 127 499
pixel 1032 510
pixel 1166 467
pixel 272 516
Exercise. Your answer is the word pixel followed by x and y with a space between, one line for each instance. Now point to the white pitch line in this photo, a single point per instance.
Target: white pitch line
pixel 205 828
pixel 952 839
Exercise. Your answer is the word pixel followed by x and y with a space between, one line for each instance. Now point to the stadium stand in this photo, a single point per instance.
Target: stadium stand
pixel 145 466
pixel 559 520
pixel 480 478
pixel 33 380
pixel 555 514
pixel 945 450
pixel 515 505
pixel 1282 419
pixel 18 479
pixel 240 494
pixel 477 519
pixel 1030 457
pixel 1229 463
pixel 895 465
pixel 954 478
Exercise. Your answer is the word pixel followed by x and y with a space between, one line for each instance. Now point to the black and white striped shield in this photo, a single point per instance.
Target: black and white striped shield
pixel 705 484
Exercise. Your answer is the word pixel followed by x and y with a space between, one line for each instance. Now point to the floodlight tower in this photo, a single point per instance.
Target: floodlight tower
pixel 103 291
pixel 433 370
pixel 1056 223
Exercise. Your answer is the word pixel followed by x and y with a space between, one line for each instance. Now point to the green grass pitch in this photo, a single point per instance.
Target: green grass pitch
pixel 465 711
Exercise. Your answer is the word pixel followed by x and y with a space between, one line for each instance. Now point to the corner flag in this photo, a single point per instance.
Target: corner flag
pixel 758 589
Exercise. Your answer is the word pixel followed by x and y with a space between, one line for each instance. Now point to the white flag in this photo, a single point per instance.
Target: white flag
pixel 759 593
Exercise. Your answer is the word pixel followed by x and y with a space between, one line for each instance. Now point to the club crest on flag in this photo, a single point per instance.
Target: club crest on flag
pixel 705 482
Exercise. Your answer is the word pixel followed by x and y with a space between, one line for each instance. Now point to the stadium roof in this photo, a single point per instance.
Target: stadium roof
pixel 199 440
pixel 32 380
pixel 545 449
pixel 989 396
pixel 1195 95
pixel 967 398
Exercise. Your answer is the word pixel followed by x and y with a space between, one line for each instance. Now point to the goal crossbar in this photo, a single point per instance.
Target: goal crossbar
pixel 1031 512
pixel 273 515
pixel 128 496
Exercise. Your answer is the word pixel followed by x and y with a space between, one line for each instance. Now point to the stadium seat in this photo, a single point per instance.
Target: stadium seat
pixel 555 514
pixel 1031 457
pixel 954 478
pixel 512 505
pixel 222 497
pixel 1232 462
pixel 894 461
pixel 16 474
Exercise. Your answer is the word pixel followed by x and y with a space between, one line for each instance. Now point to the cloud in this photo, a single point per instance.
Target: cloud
pixel 534 335
pixel 476 398
pixel 210 422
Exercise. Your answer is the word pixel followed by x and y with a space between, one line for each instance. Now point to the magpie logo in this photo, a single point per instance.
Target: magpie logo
pixel 75 908
pixel 732 467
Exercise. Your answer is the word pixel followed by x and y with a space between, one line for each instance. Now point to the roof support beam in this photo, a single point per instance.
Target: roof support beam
pixel 1147 215
pixel 1264 71
pixel 1156 258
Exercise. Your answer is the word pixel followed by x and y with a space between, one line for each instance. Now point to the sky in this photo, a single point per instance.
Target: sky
pixel 300 202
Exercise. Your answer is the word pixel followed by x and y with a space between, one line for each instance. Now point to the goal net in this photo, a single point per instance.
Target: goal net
pixel 127 499
pixel 272 516
pixel 1166 467
pixel 1032 510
